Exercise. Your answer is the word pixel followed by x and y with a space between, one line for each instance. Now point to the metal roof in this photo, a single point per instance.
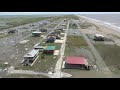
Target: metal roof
pixel 39 47
pixel 50 48
pixel 36 32
pixel 37 44
pixel 75 60
pixel 32 53
pixel 99 35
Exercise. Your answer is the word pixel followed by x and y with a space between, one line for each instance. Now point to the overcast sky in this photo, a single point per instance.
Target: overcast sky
pixel 47 13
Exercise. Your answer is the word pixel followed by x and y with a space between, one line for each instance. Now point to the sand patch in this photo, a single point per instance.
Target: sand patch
pixel 62 38
pixel 23 42
pixel 63 33
pixel 59 41
pixel 42 36
pixel 56 52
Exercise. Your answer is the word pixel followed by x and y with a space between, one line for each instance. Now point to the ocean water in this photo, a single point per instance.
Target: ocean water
pixel 112 20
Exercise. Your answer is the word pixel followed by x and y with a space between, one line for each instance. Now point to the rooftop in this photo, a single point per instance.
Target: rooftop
pixel 39 47
pixel 36 32
pixel 76 60
pixel 32 53
pixel 99 35
pixel 50 48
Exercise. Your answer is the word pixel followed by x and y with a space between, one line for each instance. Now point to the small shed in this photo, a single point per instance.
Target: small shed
pixel 49 50
pixel 36 34
pixel 73 62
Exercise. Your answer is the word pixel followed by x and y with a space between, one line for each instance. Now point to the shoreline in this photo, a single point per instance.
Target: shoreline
pixel 107 29
pixel 104 29
pixel 106 24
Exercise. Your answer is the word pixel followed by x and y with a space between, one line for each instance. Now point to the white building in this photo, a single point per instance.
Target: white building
pixel 31 56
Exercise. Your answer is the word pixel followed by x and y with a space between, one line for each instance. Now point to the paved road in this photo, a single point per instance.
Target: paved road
pixel 58 73
pixel 30 72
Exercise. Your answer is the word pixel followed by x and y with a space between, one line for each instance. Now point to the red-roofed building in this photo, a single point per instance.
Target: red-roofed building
pixel 76 62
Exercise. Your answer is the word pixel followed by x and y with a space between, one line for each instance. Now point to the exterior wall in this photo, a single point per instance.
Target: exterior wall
pixel 36 35
pixel 43 30
pixel 75 66
pixel 98 38
pixel 48 51
pixel 50 40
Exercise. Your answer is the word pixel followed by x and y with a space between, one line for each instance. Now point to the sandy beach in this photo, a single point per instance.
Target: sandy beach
pixel 104 29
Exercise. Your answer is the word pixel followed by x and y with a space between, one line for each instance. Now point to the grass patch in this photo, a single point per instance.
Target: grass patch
pixel 51 26
pixel 13 22
pixel 76 41
pixel 115 36
pixel 46 64
pixel 73 26
pixel 70 17
pixel 4 35
pixel 42 65
pixel 109 53
pixel 85 25
pixel 62 35
pixel 83 51
pixel 2 65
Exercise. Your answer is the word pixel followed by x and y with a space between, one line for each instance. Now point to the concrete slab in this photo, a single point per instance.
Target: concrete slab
pixel 56 52
pixel 62 38
pixel 59 41
pixel 42 36
pixel 62 33
pixel 63 64
pixel 34 61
